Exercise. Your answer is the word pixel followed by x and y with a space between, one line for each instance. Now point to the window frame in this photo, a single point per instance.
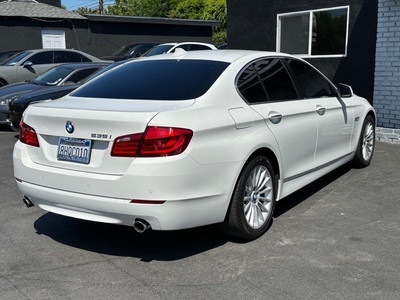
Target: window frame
pixel 310 31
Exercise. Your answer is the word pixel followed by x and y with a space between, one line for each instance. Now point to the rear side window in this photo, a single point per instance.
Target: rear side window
pixel 312 83
pixel 266 80
pixel 155 80
pixel 276 80
pixel 194 47
pixel 250 86
pixel 66 56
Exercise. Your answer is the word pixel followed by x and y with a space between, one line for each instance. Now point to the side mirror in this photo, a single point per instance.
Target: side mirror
pixel 27 64
pixel 345 91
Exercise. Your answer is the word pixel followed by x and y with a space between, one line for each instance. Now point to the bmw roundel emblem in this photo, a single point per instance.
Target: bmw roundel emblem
pixel 69 127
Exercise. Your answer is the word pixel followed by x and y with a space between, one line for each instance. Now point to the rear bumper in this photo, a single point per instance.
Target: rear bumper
pixel 194 194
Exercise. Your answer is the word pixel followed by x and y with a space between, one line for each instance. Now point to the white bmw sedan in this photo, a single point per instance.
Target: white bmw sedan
pixel 189 139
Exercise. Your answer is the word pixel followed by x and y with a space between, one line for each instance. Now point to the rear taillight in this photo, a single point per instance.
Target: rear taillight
pixel 127 145
pixel 155 142
pixel 27 135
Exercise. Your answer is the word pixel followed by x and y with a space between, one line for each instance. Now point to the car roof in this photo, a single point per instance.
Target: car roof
pixel 228 56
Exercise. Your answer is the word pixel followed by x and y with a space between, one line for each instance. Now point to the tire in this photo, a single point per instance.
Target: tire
pixel 15 126
pixel 2 83
pixel 253 201
pixel 366 144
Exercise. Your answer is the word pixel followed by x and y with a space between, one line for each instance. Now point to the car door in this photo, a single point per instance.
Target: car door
pixel 334 115
pixel 269 90
pixel 41 62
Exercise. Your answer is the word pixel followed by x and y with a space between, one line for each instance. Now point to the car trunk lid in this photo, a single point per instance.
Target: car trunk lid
pixel 78 134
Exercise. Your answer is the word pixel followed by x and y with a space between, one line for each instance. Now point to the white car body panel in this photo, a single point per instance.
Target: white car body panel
pixel 195 186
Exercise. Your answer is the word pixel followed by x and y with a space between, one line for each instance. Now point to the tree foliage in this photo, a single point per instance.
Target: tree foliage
pixel 181 9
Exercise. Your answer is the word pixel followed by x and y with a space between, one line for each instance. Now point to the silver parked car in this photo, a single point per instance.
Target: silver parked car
pixel 28 64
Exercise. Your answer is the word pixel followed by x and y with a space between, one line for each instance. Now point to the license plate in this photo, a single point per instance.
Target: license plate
pixel 75 150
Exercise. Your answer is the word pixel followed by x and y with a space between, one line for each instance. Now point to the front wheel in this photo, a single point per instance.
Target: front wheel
pixel 366 144
pixel 253 201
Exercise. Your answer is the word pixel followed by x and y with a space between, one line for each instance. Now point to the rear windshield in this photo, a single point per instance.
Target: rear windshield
pixel 155 80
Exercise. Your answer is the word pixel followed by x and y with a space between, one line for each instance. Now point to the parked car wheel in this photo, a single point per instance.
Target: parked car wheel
pixel 2 83
pixel 253 201
pixel 14 126
pixel 366 144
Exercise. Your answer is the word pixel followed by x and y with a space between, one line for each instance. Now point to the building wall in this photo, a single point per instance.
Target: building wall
pixel 106 38
pixel 255 27
pixel 387 71
pixel 99 38
pixel 26 33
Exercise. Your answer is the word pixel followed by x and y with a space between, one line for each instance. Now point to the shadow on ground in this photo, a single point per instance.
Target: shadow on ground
pixel 155 245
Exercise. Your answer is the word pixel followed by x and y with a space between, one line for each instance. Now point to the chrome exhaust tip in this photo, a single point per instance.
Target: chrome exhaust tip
pixel 27 202
pixel 141 225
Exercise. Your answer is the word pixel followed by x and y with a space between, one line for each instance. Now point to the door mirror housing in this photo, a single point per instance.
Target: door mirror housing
pixel 27 64
pixel 345 91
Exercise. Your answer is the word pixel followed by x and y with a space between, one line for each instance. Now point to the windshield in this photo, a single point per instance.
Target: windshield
pixel 53 76
pixel 155 80
pixel 124 51
pixel 160 49
pixel 4 56
pixel 13 60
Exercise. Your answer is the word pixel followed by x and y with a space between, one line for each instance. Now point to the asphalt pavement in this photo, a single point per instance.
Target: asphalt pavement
pixel 338 238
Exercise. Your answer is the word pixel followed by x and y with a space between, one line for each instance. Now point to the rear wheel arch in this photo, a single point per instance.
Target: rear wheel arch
pixel 270 155
pixel 235 223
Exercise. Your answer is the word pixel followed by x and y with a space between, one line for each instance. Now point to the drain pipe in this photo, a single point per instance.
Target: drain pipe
pixel 27 202
pixel 141 225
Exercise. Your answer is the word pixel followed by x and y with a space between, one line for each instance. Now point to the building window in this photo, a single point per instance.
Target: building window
pixel 314 33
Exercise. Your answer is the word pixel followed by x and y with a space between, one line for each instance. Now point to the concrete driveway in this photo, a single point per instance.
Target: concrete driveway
pixel 338 238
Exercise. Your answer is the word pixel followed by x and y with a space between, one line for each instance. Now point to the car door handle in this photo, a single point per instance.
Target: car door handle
pixel 274 117
pixel 320 110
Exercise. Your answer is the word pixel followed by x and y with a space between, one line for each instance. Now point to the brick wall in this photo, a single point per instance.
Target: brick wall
pixel 387 71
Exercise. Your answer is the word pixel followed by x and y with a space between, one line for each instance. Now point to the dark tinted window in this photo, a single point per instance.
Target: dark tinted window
pixel 312 83
pixel 68 57
pixel 42 58
pixel 155 80
pixel 276 80
pixel 194 47
pixel 250 86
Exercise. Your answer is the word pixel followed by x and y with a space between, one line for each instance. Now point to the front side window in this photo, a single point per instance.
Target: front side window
pixel 42 58
pixel 312 84
pixel 155 80
pixel 314 33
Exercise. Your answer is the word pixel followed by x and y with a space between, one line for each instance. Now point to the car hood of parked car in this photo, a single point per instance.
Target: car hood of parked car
pixel 17 89
pixel 49 93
